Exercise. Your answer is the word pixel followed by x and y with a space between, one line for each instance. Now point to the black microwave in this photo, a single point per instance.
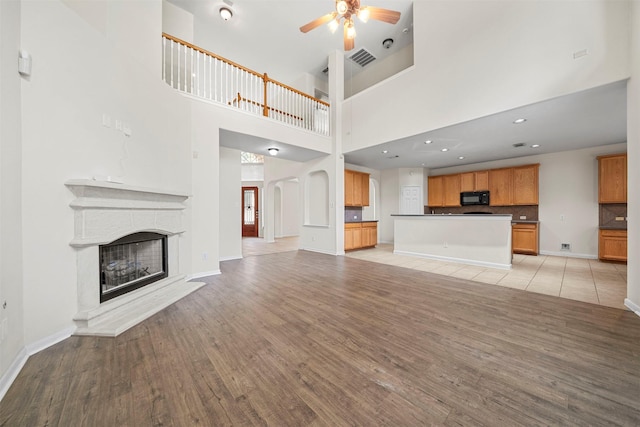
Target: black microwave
pixel 468 198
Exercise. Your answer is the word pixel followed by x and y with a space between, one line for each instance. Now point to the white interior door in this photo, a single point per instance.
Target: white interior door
pixel 411 200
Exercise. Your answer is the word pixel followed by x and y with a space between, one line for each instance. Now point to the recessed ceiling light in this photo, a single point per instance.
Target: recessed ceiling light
pixel 428 141
pixel 518 121
pixel 385 151
pixel 461 157
pixel 535 145
pixel 225 13
pixel 445 149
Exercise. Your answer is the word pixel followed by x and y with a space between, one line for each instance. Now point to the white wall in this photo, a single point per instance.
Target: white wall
pixel 568 188
pixel 379 71
pixel 390 203
pixel 230 204
pixel 633 166
pixel 291 208
pixel 497 56
pixel 177 22
pixel 11 281
pixel 82 69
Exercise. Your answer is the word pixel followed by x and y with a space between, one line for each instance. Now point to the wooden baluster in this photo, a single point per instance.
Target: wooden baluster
pixel 265 111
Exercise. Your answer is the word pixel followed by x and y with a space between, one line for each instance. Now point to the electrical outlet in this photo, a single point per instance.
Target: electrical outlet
pixel 205 256
pixel 565 246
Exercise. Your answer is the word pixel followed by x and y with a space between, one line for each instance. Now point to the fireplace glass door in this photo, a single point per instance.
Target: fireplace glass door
pixel 132 262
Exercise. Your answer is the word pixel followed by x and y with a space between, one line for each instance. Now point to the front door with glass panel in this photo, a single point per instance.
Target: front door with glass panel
pixel 249 211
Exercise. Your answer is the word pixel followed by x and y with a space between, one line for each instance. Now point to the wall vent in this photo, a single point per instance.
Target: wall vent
pixel 362 57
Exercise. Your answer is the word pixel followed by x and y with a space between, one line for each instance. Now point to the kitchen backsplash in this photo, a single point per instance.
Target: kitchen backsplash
pixel 352 214
pixel 529 212
pixel 613 216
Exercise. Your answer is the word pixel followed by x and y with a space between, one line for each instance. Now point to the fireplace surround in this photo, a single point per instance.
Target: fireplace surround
pixel 104 213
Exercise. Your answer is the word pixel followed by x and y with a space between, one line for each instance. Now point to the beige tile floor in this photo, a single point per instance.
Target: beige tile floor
pixel 573 278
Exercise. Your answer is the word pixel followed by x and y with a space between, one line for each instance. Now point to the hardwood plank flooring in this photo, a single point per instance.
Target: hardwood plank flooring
pixel 304 339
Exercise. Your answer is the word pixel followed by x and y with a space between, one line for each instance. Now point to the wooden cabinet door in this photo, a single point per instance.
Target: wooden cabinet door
pixel 525 185
pixel 468 181
pixel 481 180
pixel 364 177
pixel 612 245
pixel 348 187
pixel 451 190
pixel 357 189
pixel 352 236
pixel 612 179
pixel 500 187
pixel 474 181
pixel 524 239
pixel 435 190
pixel 369 234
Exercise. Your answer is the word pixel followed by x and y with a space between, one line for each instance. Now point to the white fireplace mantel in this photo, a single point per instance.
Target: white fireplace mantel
pixel 105 212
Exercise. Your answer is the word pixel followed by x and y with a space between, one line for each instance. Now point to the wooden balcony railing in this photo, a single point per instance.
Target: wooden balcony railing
pixel 195 71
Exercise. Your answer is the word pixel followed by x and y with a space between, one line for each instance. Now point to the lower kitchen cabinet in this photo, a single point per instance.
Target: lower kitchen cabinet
pixel 612 245
pixel 524 238
pixel 359 235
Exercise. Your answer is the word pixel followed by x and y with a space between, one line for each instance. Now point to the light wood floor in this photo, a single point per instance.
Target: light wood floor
pixel 304 339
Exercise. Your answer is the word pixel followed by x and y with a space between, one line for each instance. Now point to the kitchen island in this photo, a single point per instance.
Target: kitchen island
pixel 467 238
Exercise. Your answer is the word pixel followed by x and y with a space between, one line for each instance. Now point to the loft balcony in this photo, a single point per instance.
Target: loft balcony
pixel 203 74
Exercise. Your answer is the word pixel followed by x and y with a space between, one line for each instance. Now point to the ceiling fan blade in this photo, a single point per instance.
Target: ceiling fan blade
pixel 384 15
pixel 349 43
pixel 317 22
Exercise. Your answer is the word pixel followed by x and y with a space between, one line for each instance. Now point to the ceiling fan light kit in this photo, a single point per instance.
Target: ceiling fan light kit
pixel 346 9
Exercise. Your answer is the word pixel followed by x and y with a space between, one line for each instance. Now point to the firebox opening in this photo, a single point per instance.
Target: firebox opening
pixel 132 262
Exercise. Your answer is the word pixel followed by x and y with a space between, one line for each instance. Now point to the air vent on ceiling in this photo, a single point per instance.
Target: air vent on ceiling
pixel 362 57
pixel 519 144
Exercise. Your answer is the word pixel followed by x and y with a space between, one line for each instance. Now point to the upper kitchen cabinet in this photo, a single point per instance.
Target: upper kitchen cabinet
pixel 514 186
pixel 501 187
pixel 356 188
pixel 444 190
pixel 474 181
pixel 525 185
pixel 612 179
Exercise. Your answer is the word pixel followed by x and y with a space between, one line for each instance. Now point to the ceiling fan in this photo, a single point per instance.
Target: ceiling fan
pixel 347 10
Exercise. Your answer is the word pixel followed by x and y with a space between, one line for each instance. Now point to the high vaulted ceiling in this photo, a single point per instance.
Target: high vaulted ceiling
pixel 264 35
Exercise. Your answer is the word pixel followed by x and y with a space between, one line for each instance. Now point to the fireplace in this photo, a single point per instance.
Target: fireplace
pixel 123 280
pixel 132 262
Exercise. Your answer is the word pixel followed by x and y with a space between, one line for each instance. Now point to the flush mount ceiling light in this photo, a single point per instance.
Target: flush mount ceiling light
pixel 519 121
pixel 225 13
pixel 273 151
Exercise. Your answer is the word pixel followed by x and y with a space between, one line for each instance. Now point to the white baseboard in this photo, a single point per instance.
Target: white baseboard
pixel 456 260
pixel 230 258
pixel 569 254
pixel 9 377
pixel 21 358
pixel 203 274
pixel 320 251
pixel 632 306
